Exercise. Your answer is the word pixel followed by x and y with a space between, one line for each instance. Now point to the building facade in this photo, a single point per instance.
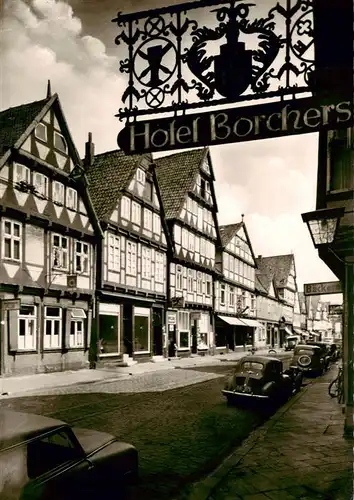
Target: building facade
pixel 48 234
pixel 186 182
pixel 132 257
pixel 235 299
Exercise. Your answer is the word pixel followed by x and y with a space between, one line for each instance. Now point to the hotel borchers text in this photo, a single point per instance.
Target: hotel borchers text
pixel 235 125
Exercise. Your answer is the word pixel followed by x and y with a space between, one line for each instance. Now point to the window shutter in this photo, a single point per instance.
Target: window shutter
pixel 87 338
pixel 66 327
pixel 12 323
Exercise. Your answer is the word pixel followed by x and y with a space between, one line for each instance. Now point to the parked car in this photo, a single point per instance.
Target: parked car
pixel 334 353
pixel 325 348
pixel 261 378
pixel 43 458
pixel 308 358
pixel 291 342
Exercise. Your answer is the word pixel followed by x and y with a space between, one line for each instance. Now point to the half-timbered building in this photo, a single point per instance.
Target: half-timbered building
pixel 280 270
pixel 186 182
pixel 235 300
pixel 48 232
pixel 131 264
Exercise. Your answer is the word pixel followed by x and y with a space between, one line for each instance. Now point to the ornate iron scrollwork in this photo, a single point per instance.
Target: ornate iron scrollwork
pixel 175 63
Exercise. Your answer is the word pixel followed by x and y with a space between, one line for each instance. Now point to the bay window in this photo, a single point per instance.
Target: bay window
pixel 11 239
pixel 52 327
pixel 27 321
pixel 183 330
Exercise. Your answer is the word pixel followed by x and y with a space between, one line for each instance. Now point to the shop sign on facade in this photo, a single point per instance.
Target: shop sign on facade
pixel 10 304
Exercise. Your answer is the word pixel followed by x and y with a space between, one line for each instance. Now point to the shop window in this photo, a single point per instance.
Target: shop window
pixel 52 327
pixel 12 240
pixel 141 333
pixel 77 328
pixel 183 340
pixel 27 320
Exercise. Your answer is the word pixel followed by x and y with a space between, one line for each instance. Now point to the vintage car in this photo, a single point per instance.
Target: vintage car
pixel 325 348
pixel 291 342
pixel 43 458
pixel 309 359
pixel 261 378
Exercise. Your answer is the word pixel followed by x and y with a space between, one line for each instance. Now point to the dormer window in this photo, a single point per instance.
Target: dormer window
pixel 41 132
pixel 60 143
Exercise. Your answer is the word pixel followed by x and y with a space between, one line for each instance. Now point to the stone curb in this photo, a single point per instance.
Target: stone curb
pixel 203 489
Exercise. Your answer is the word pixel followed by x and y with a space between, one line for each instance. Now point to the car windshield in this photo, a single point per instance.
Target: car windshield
pixel 252 366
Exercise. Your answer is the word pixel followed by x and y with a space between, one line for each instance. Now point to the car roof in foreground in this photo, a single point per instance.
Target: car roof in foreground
pixel 17 427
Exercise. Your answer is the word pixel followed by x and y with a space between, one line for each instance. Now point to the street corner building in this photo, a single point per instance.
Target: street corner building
pixel 48 234
pixel 186 183
pixel 131 286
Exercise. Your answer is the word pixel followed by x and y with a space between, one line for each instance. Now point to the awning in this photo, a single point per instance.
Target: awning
pixel 315 334
pixel 252 322
pixel 301 332
pixel 286 330
pixel 232 320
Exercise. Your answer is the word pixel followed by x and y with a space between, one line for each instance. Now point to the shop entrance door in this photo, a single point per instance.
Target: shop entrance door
pixel 194 337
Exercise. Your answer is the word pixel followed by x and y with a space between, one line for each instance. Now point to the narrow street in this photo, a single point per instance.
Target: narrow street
pixel 177 419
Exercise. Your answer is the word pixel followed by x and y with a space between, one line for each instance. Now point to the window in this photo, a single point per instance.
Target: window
pixel 27 328
pixel 159 267
pixel 341 162
pixel 141 330
pixel 136 213
pixel 58 192
pixel 147 219
pixel 71 199
pixel 60 252
pixel 52 327
pixel 185 238
pixel 199 283
pixel 253 303
pixel 131 258
pixel 149 190
pixel 113 252
pixel 76 330
pixel 179 278
pixel 208 288
pixel 183 329
pixel 146 263
pixel 222 295
pixel 81 258
pixel 140 176
pixel 191 242
pixel 50 452
pixel 202 188
pixel 41 132
pixel 59 142
pixel 125 208
pixel 40 182
pixel 232 297
pixel 21 173
pixel 12 240
pixel 157 224
pixel 190 281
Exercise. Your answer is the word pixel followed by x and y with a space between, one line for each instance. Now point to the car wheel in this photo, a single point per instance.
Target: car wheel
pixel 304 361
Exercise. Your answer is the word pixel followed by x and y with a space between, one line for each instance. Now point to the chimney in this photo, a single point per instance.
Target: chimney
pixel 259 256
pixel 49 89
pixel 89 151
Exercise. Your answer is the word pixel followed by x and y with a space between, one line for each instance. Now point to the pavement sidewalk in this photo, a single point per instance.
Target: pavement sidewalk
pixel 299 454
pixel 18 385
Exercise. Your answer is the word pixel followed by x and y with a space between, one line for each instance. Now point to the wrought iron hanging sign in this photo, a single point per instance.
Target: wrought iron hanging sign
pixel 213 52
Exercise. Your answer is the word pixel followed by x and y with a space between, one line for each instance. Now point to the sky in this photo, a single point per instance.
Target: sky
pixel 71 43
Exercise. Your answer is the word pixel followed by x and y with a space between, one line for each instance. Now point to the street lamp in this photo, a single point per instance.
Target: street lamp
pixel 323 224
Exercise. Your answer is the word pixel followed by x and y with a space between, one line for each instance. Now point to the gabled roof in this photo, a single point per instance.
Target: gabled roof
pixel 278 266
pixel 176 175
pixel 108 176
pixel 261 283
pixel 17 123
pixel 14 122
pixel 228 231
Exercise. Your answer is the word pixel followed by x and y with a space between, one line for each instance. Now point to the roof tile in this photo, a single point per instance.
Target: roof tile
pixel 176 175
pixel 228 231
pixel 278 266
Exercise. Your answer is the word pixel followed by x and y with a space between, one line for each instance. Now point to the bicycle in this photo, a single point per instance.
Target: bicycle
pixel 336 387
